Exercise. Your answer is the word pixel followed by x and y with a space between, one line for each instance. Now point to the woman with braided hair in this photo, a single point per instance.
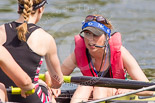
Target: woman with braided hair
pixel 28 44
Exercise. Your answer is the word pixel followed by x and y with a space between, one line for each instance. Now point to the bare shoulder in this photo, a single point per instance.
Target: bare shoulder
pixel 127 56
pixel 2 34
pixel 40 42
pixel 124 51
pixel 43 35
pixel 2 28
pixel 123 48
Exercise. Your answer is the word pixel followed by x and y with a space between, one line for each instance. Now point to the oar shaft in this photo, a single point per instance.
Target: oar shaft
pixel 107 82
pixel 121 95
pixel 104 82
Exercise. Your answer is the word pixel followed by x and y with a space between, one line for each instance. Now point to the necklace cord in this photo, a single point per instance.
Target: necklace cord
pixel 106 48
pixel 106 44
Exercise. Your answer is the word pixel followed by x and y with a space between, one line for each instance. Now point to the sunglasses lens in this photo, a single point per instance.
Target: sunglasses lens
pixel 89 18
pixel 99 19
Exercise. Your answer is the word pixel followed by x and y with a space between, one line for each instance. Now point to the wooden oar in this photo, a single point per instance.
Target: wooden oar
pixel 17 90
pixel 108 82
pixel 121 95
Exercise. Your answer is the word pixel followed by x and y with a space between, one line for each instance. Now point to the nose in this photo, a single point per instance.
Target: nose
pixel 90 38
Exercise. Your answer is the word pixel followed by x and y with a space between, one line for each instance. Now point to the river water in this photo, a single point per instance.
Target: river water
pixel 134 19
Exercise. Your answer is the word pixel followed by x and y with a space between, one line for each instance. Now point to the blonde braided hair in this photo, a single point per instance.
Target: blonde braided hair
pixel 26 12
pixel 22 29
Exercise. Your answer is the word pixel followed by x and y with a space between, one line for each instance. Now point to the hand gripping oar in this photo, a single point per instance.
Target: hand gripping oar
pixel 121 95
pixel 17 90
pixel 108 82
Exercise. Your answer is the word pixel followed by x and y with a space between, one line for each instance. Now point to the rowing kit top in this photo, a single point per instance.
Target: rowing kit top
pixel 28 60
pixel 116 68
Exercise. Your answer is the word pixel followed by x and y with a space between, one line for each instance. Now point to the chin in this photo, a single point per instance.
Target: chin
pixel 92 49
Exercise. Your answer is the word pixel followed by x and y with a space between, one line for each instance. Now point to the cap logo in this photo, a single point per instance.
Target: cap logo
pixel 109 31
pixel 90 23
pixel 100 26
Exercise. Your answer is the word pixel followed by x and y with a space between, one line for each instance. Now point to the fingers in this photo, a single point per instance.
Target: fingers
pixel 122 91
pixel 56 92
pixel 119 92
pixel 23 94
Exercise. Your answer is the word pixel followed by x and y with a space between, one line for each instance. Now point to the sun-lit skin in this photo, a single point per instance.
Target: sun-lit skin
pixel 91 40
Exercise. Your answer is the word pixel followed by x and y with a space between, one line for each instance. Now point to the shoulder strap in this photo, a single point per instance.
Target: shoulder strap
pixel 10 33
pixel 31 28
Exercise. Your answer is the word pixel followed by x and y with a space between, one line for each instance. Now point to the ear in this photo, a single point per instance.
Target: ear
pixel 39 10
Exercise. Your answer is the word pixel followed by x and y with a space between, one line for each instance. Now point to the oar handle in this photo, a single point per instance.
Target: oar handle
pixel 67 79
pixel 17 90
pixel 42 77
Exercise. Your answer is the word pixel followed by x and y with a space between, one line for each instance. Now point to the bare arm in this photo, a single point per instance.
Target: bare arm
pixel 69 64
pixel 132 66
pixel 67 68
pixel 9 66
pixel 44 44
pixel 2 35
pixel 53 65
pixel 134 71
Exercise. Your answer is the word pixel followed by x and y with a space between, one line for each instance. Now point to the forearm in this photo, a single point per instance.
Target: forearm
pixel 20 78
pixel 13 70
pixel 132 66
pixel 52 81
pixel 48 79
pixel 55 73
pixel 69 64
pixel 56 78
pixel 145 93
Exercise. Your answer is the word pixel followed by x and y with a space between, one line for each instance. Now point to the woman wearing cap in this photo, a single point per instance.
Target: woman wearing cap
pixel 99 53
pixel 20 78
pixel 28 44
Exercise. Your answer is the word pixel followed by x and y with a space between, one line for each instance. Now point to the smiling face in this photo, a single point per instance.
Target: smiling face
pixel 91 40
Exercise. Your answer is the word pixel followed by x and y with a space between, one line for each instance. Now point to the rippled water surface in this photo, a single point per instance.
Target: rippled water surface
pixel 135 19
